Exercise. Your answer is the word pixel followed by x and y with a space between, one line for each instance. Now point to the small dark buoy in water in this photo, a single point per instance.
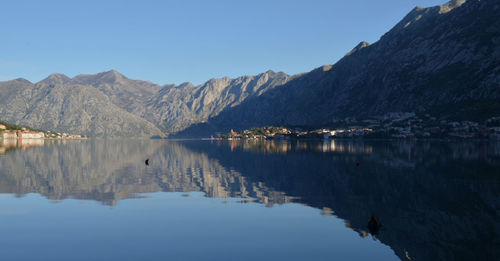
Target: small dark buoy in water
pixel 357 164
pixel 147 162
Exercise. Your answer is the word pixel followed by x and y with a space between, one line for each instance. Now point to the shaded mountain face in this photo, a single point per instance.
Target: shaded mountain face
pixel 442 60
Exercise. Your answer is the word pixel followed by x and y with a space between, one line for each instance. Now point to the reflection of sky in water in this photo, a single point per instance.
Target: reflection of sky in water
pixel 285 200
pixel 174 227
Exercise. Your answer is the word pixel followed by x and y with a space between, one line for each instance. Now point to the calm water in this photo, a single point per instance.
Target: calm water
pixel 202 200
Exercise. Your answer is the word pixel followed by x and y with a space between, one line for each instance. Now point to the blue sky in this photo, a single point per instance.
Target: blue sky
pixel 188 40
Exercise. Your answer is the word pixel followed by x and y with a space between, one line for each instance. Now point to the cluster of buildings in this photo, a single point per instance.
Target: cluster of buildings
pixel 58 135
pixel 390 126
pixel 409 126
pixel 268 132
pixel 20 134
pixel 412 126
pixel 351 132
pixel 23 138
pixel 24 133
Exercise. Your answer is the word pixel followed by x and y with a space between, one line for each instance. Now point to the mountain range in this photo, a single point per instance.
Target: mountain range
pixel 442 60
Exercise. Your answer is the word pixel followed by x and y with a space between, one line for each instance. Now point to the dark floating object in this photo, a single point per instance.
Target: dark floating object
pixel 357 164
pixel 146 162
pixel 374 225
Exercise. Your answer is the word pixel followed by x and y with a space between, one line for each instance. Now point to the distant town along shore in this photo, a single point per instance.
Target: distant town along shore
pixel 10 131
pixel 391 126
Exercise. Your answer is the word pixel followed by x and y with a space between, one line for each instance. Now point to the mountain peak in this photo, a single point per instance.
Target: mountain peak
pixel 419 16
pixel 185 85
pixel 451 5
pixel 103 77
pixel 112 73
pixel 56 78
pixel 22 80
pixel 358 47
pixel 110 76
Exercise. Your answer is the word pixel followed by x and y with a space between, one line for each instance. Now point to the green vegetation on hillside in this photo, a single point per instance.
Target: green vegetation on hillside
pixel 9 126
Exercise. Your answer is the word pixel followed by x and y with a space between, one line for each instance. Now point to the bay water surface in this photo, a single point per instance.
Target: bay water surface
pixel 249 200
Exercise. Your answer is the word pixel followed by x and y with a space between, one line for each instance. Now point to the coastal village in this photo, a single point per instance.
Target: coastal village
pixel 12 136
pixel 25 133
pixel 390 126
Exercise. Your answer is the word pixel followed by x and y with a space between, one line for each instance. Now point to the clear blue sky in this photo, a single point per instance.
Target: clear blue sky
pixel 178 41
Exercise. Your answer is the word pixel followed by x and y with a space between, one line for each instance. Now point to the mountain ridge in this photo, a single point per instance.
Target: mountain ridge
pixel 442 60
pixel 131 101
pixel 446 64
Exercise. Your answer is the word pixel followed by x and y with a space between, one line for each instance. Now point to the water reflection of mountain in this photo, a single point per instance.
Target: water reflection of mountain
pixel 436 201
pixel 110 170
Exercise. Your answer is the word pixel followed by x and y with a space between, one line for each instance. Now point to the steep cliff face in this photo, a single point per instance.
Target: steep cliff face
pixel 181 106
pixel 442 60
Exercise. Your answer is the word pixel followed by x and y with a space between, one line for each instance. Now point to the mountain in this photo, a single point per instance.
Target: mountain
pixel 110 104
pixel 178 107
pixel 442 60
pixel 73 108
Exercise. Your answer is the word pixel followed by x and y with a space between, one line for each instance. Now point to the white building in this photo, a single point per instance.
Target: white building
pixel 31 135
pixel 8 135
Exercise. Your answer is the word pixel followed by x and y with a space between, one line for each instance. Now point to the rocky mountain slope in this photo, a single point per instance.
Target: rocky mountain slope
pixel 71 108
pixel 441 60
pixel 177 107
pixel 110 104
